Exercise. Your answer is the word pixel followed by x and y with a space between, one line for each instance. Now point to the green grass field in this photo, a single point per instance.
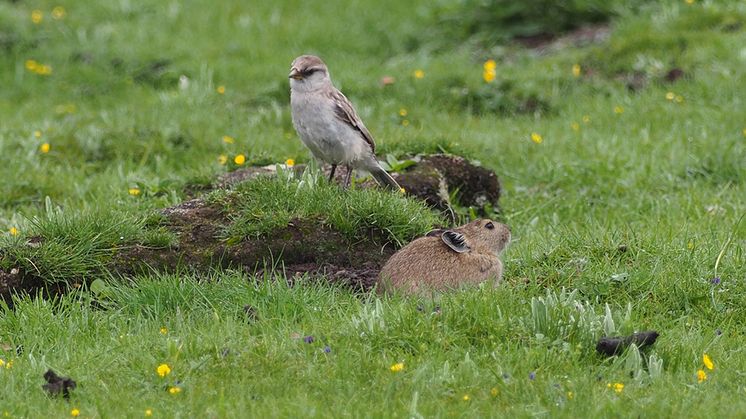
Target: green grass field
pixel 624 207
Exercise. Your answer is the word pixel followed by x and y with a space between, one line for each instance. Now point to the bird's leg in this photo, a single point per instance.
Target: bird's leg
pixel 331 175
pixel 348 178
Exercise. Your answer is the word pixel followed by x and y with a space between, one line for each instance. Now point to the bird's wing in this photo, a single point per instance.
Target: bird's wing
pixel 346 113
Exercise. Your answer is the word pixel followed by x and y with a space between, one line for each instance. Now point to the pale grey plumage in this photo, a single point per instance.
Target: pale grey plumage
pixel 327 123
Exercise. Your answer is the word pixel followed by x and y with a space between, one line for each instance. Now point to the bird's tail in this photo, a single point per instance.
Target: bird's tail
pixel 384 179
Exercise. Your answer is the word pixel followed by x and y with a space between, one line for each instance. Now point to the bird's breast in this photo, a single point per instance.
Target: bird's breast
pixel 328 137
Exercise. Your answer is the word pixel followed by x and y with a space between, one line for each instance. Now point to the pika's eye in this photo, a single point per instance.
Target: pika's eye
pixel 489 226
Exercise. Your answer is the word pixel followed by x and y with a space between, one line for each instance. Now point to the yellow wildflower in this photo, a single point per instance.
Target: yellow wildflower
pixel 670 96
pixel 290 162
pixel 744 132
pixel 44 148
pixel 45 70
pixel 576 70
pixel 494 391
pixel 31 65
pixel 536 137
pixel 220 90
pixel 13 232
pixel 489 75
pixel 708 362
pixel 163 370
pixel 37 16
pixel 689 1
pixel 228 139
pixel 679 99
pixel 405 122
pixel 134 191
pixel 148 412
pixel 2 363
pixel 239 159
pixel 570 395
pixel 75 412
pixel 37 134
pixel 618 387
pixel 402 190
pixel 586 119
pixel 701 376
pixel 618 110
pixel 690 245
pixel 164 330
pixel 419 74
pixel 575 126
pixel 222 159
pixel 397 367
pixel 466 398
pixel 58 12
pixel 174 390
pixel 403 112
pixel 490 71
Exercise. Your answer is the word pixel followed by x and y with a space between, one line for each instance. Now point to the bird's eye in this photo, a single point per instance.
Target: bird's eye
pixel 489 225
pixel 309 71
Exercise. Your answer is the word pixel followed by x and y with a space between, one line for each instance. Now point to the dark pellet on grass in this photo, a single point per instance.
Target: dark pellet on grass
pixel 611 346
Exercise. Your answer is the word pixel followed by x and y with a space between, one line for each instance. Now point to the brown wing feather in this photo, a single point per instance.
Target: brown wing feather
pixel 345 112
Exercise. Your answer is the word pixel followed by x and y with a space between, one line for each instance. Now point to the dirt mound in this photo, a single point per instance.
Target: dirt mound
pixel 303 247
pixel 433 178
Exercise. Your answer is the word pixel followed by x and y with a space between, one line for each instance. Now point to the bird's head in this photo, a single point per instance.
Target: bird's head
pixel 308 73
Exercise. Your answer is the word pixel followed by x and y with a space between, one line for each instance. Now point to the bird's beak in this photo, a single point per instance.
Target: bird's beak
pixel 295 74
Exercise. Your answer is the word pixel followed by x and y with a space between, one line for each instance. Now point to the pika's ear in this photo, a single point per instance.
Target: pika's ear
pixel 456 241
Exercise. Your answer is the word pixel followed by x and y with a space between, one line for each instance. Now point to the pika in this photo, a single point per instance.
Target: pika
pixel 447 259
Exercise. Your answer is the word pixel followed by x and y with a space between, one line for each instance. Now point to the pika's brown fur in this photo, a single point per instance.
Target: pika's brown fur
pixel 447 259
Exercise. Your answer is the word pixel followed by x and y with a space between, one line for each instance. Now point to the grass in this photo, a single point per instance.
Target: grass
pixel 264 205
pixel 639 207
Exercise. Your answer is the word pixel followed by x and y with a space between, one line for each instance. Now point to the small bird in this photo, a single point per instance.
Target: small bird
pixel 328 124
